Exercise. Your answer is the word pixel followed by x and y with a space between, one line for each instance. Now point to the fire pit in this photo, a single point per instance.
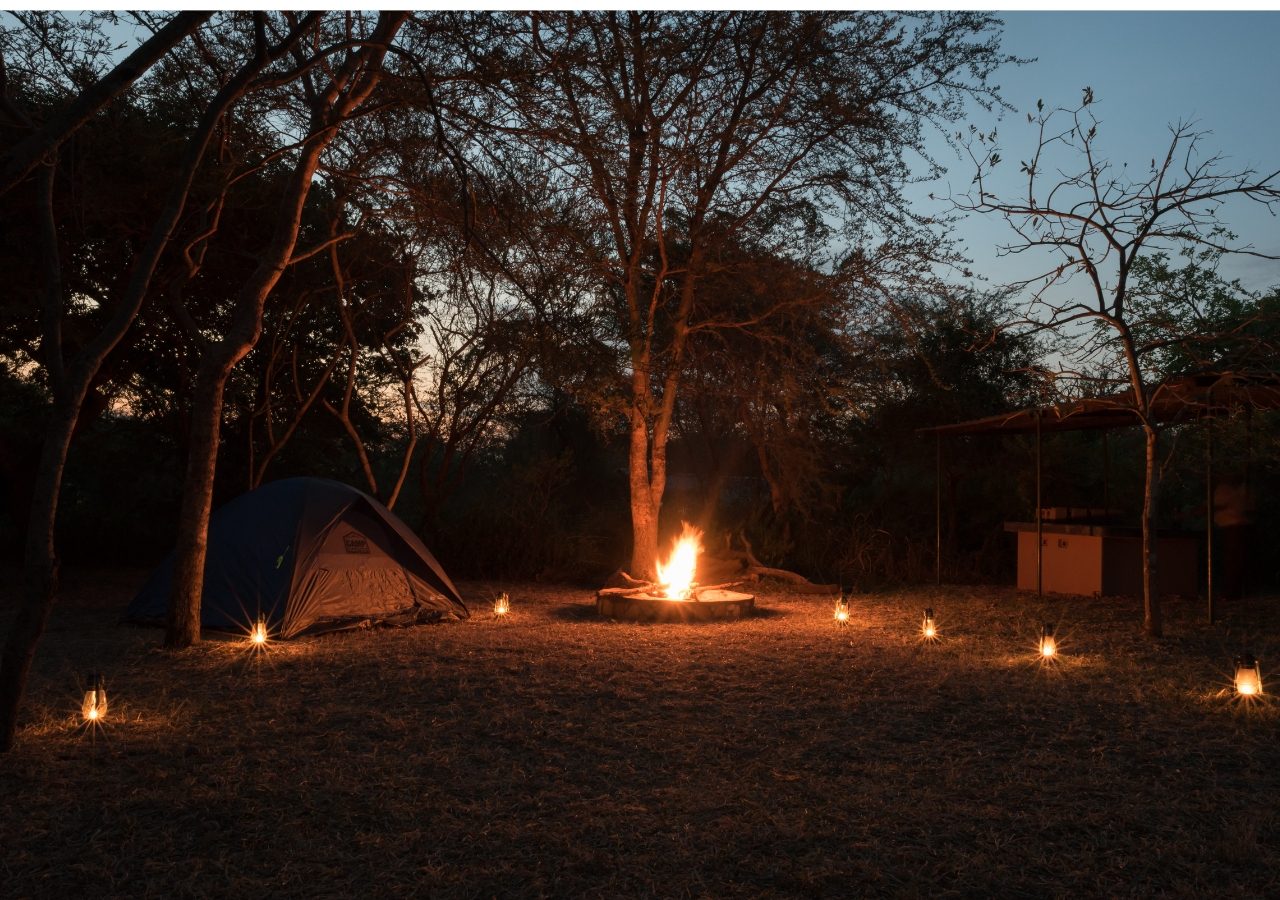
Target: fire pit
pixel 675 597
pixel 640 606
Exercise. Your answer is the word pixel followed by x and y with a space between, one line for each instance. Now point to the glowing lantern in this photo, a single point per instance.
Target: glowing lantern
pixel 94 707
pixel 1248 676
pixel 1048 644
pixel 842 612
pixel 501 605
pixel 258 636
pixel 930 626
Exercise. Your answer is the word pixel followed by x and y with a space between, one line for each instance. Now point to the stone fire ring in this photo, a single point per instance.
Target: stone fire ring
pixel 714 605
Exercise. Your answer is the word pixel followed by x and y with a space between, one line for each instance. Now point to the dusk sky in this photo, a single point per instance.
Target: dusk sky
pixel 1147 70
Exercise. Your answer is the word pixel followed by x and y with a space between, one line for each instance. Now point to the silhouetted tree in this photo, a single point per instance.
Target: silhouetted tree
pixel 1098 223
pixel 70 374
pixel 333 84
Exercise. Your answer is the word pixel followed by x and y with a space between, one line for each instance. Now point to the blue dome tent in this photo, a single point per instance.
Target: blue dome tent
pixel 308 555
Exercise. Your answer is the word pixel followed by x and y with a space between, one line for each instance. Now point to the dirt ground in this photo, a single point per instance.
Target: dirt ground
pixel 554 754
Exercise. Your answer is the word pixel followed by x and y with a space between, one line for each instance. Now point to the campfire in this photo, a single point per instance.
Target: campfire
pixel 676 594
pixel 675 579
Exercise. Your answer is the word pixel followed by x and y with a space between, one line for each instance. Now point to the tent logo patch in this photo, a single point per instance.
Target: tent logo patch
pixel 354 542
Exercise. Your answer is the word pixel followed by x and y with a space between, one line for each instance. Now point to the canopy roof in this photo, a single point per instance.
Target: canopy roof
pixel 1175 400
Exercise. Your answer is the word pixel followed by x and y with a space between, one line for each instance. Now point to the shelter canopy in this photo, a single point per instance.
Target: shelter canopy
pixel 1178 399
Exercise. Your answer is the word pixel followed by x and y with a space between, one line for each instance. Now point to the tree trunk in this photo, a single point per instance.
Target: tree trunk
pixel 777 494
pixel 649 452
pixel 183 624
pixel 1153 623
pixel 71 384
pixel 644 512
pixel 40 569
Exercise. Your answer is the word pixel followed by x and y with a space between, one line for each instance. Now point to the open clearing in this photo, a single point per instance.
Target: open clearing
pixel 554 754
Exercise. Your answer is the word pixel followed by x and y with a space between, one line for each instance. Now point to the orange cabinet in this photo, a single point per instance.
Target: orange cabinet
pixel 1095 559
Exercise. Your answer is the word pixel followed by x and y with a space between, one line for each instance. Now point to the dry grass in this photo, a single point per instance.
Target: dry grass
pixel 552 754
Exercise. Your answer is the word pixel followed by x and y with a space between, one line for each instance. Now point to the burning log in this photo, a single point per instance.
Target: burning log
pixel 655 590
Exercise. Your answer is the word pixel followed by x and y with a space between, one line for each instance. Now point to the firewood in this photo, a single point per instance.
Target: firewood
pixel 619 591
pixel 799 583
pixel 621 578
pixel 718 587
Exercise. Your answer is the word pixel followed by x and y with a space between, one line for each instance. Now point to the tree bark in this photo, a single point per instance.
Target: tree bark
pixel 649 451
pixel 40 569
pixel 1153 620
pixel 183 625
pixel 644 512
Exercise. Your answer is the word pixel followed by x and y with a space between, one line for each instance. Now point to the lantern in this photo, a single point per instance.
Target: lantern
pixel 501 606
pixel 1048 644
pixel 94 707
pixel 930 626
pixel 258 635
pixel 1248 676
pixel 842 612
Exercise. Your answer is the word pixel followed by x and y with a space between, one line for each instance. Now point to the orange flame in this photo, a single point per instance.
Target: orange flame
pixel 676 577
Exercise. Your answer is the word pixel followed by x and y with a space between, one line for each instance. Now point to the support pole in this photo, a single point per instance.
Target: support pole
pixel 1245 576
pixel 937 510
pixel 1208 518
pixel 1039 519
pixel 1248 450
pixel 1106 474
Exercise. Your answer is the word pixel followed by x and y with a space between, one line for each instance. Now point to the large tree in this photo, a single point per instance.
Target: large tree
pixel 678 132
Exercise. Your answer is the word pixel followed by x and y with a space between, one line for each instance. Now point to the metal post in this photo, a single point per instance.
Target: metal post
pixel 1208 518
pixel 1039 522
pixel 1248 449
pixel 937 502
pixel 1246 581
pixel 1106 474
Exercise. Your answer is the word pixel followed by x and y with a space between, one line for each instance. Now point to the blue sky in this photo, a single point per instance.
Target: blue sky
pixel 1147 70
